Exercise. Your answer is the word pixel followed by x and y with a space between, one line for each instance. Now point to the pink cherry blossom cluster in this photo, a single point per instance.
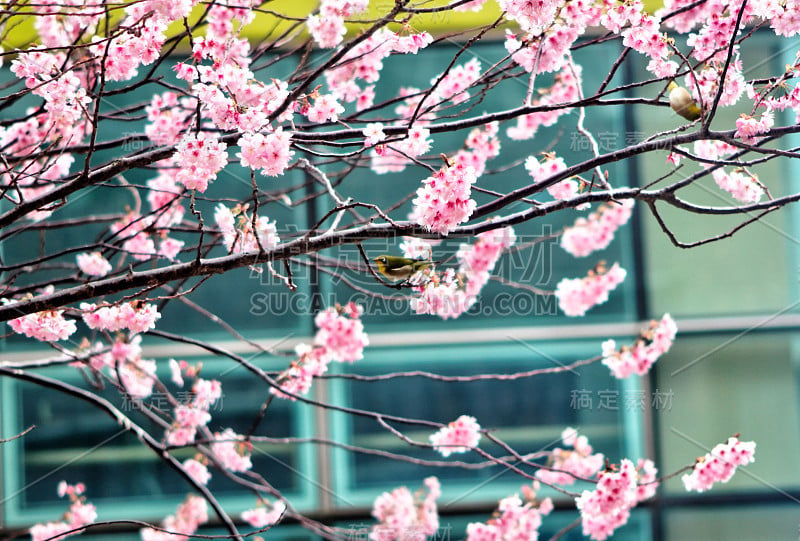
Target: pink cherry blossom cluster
pixel 200 157
pixel 565 465
pixel 481 146
pixel 237 230
pixel 577 295
pixel 404 516
pixel 514 519
pixel 720 464
pixel 189 516
pixel 741 184
pixel 93 264
pixel 325 108
pixel 134 316
pixel 80 514
pixel 373 135
pixel 74 19
pixel 340 337
pixel 443 295
pixel 638 358
pixel 445 199
pixel 713 150
pixel 197 470
pixel 608 506
pixel 553 53
pixel 328 28
pixel 168 117
pixel 454 85
pixel 193 415
pixel 596 231
pixel 477 261
pixel 708 80
pixel 748 127
pixel 341 333
pixel 460 436
pixel 549 167
pixel 270 153
pixel 46 326
pixel 564 89
pixel 263 516
pixel 532 17
pixel 232 451
pixel 365 61
pixel 394 158
pixel 450 294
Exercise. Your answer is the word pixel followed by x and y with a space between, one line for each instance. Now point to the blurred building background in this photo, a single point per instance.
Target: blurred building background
pixel 734 367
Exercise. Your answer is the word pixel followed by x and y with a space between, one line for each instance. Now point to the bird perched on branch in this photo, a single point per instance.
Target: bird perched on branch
pixel 399 268
pixel 682 102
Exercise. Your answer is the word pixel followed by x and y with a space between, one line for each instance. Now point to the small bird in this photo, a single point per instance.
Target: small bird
pixel 399 268
pixel 682 102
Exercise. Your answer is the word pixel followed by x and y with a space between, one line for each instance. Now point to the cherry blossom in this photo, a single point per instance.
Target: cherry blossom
pixel 232 452
pixel 403 515
pixel 189 516
pixel 514 518
pixel 459 436
pixel 740 184
pixel 720 464
pixel 444 200
pixel 80 514
pixel 237 230
pixel 596 231
pixel 200 157
pixel 261 517
pixel 270 153
pixel 197 471
pixel 341 333
pixel 638 358
pixel 565 465
pixel 576 296
pixel 47 326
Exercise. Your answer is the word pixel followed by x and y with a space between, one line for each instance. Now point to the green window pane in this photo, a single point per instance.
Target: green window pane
pixel 732 523
pixel 79 443
pixel 529 414
pixel 722 384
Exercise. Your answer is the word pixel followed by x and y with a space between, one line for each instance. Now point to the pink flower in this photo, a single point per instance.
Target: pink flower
pixel 231 452
pixel 568 464
pixel 341 333
pixel 326 31
pixel 596 231
pixel 742 185
pixel 47 326
pixel 373 134
pixel 237 230
pixel 197 471
pixel 637 359
pixel 93 264
pixel 261 517
pixel 576 296
pixel 401 513
pixel 138 377
pixel 140 246
pixel 80 514
pixel 200 157
pixel 720 464
pixel 270 153
pixel 169 247
pixel 187 519
pixel 459 436
pixel 514 519
pixel 455 84
pixel 444 200
pixel 325 108
pixel 606 508
pixel 748 127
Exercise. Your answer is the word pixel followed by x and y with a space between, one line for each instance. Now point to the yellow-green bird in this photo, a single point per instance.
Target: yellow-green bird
pixel 682 102
pixel 399 268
